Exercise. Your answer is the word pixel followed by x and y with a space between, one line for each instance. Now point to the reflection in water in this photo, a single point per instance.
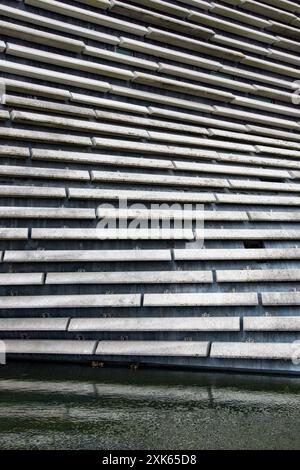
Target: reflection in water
pixel 77 407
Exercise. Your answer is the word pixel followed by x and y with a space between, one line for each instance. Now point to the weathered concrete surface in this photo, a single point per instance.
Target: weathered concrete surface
pixel 286 323
pixel 46 347
pixel 140 277
pixel 33 324
pixel 152 348
pixel 206 299
pixel 263 275
pixel 70 301
pixel 46 213
pixel 253 351
pixel 21 279
pixel 156 324
pixel 86 255
pixel 237 254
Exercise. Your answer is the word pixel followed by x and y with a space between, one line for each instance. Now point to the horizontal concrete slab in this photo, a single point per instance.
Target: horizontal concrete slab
pixel 11 151
pixel 43 173
pixel 60 347
pixel 62 26
pixel 4 115
pixel 101 159
pixel 274 216
pixel 41 256
pixel 181 87
pixel 41 105
pixel 237 254
pixel 264 106
pixel 33 324
pixel 153 348
pixel 90 16
pixel 163 20
pixel 166 8
pixel 205 78
pixel 268 323
pixel 70 301
pixel 164 99
pixel 135 277
pixel 265 186
pixel 68 62
pixel 272 351
pixel 268 131
pixel 138 147
pixel 250 199
pixel 281 298
pixel 176 214
pixel 230 43
pixel 156 324
pixel 41 73
pixel 109 55
pixel 77 124
pixel 32 191
pixel 248 234
pixel 230 170
pixel 249 116
pixel 207 299
pixel 200 142
pixel 259 161
pixel 41 37
pixel 239 16
pixel 196 119
pixel 162 180
pixel 110 234
pixel 231 27
pixel 21 279
pixel 264 149
pixel 162 52
pixel 270 12
pixel 193 44
pixel 96 101
pixel 13 233
pixel 26 87
pixel 259 275
pixel 46 213
pixel 134 195
pixel 149 123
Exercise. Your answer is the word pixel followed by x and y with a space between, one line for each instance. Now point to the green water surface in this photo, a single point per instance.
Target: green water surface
pixel 50 406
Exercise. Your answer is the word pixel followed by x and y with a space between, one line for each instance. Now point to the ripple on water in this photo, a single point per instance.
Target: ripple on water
pixel 76 407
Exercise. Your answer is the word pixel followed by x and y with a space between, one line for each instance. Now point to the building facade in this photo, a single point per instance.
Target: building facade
pixel 150 167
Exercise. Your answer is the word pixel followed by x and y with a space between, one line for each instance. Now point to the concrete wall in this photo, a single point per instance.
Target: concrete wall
pixel 159 102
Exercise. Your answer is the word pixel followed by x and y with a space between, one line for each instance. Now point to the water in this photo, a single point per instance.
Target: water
pixel 77 407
